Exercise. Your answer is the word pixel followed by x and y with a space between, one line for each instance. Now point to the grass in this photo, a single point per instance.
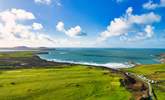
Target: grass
pixel 69 83
pixel 155 72
pixel 23 59
pixel 17 54
pixel 8 59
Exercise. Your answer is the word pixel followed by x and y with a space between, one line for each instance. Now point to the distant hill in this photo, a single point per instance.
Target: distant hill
pixel 22 47
pixel 26 48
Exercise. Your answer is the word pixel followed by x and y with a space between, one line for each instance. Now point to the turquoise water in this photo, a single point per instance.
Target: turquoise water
pixel 114 58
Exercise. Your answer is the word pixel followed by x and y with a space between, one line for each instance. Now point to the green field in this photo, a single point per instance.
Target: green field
pixel 69 83
pixel 17 54
pixel 154 72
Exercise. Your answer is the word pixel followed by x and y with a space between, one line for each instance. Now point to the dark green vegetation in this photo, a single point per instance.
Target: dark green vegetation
pixel 23 76
pixel 155 73
pixel 23 59
pixel 20 54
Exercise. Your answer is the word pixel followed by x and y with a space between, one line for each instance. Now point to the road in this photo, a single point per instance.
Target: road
pixel 147 81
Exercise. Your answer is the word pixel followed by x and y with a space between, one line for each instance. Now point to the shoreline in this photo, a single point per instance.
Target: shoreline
pixel 112 65
pixel 60 62
pixel 107 65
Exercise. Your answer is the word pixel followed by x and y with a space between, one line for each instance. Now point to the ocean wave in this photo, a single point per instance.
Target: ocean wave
pixel 63 53
pixel 108 65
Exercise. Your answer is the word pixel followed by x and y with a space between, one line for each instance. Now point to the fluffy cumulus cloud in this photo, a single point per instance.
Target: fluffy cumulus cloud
pixel 47 2
pixel 72 32
pixel 147 33
pixel 130 25
pixel 37 26
pixel 60 27
pixel 151 5
pixel 75 31
pixel 13 32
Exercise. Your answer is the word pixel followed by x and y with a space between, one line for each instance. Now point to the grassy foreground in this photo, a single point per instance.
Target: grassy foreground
pixel 70 83
pixel 23 76
pixel 153 72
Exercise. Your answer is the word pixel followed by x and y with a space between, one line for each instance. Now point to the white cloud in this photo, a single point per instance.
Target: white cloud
pixel 60 27
pixel 13 32
pixel 72 32
pixel 151 5
pixel 9 17
pixel 22 14
pixel 75 31
pixel 130 24
pixel 129 11
pixel 149 30
pixel 37 26
pixel 146 33
pixel 47 2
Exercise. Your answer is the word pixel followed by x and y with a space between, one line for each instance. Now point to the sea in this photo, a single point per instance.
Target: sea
pixel 106 57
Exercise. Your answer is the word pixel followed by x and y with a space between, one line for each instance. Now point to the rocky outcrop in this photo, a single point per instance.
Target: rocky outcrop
pixel 162 57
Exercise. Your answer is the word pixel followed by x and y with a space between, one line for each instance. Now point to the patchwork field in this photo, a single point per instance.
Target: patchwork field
pixel 70 83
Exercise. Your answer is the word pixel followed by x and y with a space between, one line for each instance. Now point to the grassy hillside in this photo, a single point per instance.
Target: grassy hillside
pixel 23 59
pixel 154 72
pixel 69 83
pixel 26 77
pixel 21 54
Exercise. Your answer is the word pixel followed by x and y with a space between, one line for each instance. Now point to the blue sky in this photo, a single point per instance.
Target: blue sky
pixel 83 23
